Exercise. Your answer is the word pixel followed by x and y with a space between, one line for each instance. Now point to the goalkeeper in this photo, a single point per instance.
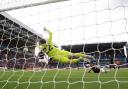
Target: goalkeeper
pixel 61 55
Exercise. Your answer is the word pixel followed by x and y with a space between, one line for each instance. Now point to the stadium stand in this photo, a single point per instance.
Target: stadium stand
pixel 14 37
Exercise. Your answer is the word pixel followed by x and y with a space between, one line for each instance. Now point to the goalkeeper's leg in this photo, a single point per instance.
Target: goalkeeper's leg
pixel 65 60
pixel 83 56
pixel 73 61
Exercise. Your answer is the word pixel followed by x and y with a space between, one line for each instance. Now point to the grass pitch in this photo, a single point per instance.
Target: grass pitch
pixel 63 79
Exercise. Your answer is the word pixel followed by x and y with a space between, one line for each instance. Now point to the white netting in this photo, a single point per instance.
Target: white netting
pixel 98 27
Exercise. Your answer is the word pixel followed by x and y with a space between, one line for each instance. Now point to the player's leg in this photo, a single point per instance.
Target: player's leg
pixel 90 69
pixel 96 69
pixel 73 61
pixel 65 60
pixel 79 55
pixel 61 59
pixel 82 56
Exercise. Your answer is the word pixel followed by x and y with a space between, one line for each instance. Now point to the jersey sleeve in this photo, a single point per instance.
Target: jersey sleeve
pixel 50 38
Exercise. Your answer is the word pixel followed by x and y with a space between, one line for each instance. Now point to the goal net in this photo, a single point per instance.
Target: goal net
pixel 95 27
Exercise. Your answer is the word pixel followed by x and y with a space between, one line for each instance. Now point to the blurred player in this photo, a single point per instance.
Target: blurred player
pixel 95 69
pixel 37 49
pixel 98 68
pixel 43 57
pixel 113 66
pixel 88 64
pixel 61 55
pixel 105 68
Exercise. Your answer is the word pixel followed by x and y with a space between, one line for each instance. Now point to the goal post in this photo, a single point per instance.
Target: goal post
pixel 30 4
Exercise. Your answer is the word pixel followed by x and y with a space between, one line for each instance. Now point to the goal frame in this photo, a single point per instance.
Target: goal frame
pixel 31 5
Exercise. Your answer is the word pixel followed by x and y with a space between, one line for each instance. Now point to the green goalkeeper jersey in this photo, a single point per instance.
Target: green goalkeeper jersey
pixel 54 52
pixel 60 55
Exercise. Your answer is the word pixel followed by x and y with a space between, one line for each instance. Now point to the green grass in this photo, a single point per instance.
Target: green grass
pixel 63 79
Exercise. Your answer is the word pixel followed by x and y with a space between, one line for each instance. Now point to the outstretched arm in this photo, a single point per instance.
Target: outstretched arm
pixel 49 42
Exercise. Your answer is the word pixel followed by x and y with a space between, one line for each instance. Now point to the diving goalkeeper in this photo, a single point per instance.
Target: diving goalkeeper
pixel 61 55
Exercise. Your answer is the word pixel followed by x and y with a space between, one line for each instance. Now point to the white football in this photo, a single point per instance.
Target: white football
pixel 102 70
